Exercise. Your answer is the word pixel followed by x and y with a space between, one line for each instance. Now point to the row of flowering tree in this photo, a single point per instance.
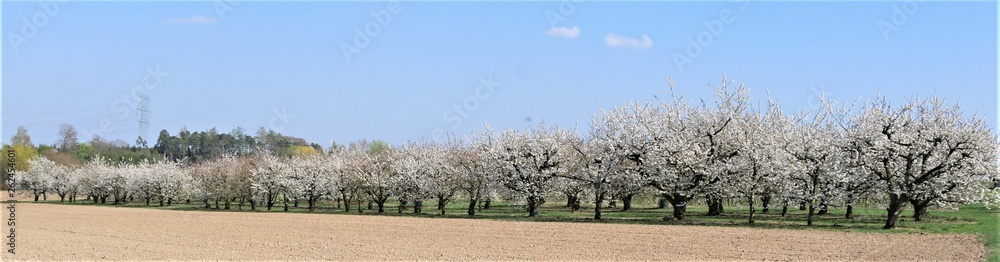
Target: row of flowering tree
pixel 921 153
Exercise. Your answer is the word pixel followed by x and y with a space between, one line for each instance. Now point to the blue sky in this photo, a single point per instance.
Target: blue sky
pixel 282 66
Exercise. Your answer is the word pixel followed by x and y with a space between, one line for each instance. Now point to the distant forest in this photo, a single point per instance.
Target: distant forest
pixel 191 147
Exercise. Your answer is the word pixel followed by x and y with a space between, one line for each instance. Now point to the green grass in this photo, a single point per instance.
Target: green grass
pixel 971 219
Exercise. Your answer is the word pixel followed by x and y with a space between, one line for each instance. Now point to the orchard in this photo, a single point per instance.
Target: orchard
pixel 920 154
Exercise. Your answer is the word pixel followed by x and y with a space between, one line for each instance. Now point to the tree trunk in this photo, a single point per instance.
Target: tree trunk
pixel 381 206
pixel 919 212
pixel 750 204
pixel 784 209
pixel 418 206
pixel 402 205
pixel 765 202
pixel 802 205
pixel 598 200
pixel 486 205
pixel 679 204
pixel 442 203
pixel 822 208
pixel 895 209
pixel 253 205
pixel 661 203
pixel 627 202
pixel 678 211
pixel 347 203
pixel 919 209
pixel 371 205
pixel 285 202
pixel 472 206
pixel 533 203
pixel 714 206
pixel 851 200
pixel 812 211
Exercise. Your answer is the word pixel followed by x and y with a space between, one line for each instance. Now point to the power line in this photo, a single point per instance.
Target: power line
pixel 67 111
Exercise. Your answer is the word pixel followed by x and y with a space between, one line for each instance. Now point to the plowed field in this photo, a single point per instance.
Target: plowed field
pixel 62 232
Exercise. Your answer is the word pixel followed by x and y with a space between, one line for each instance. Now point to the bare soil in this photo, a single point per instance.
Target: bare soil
pixel 62 232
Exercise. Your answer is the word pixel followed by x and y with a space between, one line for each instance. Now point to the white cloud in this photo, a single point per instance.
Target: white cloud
pixel 192 20
pixel 616 40
pixel 563 31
